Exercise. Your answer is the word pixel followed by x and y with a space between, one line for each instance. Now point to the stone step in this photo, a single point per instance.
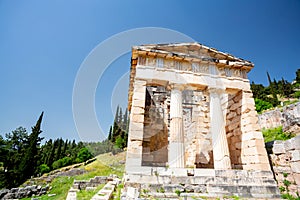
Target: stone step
pixel 242 190
pixel 211 188
pixel 195 180
pixel 169 195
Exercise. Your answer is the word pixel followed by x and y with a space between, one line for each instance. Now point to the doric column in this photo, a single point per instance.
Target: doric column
pixel 176 139
pixel 217 127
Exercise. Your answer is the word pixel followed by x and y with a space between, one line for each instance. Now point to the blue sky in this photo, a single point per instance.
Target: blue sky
pixel 43 43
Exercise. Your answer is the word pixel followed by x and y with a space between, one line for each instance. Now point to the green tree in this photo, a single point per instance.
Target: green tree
pixel 261 105
pixel 110 133
pixel 28 165
pixel 298 76
pixel 84 154
pixel 275 101
pixel 12 155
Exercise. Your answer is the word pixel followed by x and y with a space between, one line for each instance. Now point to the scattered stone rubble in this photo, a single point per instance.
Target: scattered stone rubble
pixel 32 187
pixel 28 191
pixel 104 194
pixel 288 117
pixel 285 158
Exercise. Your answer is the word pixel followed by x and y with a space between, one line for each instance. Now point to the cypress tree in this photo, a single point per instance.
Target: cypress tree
pixel 28 164
pixel 110 134
pixel 273 92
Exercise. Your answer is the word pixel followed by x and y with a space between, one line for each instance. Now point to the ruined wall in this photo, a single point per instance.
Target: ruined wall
pixel 233 128
pixel 196 120
pixel 155 137
pixel 285 159
pixel 288 117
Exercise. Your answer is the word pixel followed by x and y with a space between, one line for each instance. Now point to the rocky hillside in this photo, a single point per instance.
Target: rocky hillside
pixel 288 117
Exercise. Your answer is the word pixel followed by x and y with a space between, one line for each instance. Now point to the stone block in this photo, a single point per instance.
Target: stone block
pixel 249 120
pixel 234 106
pixel 281 169
pixel 201 180
pixel 263 166
pixel 139 89
pixel 140 83
pixel 258 159
pixel 136 135
pixel 289 144
pixel 204 172
pixel 297 178
pixel 246 108
pixel 233 126
pixel 295 166
pixel 132 192
pixel 137 118
pixel 252 143
pixel 178 171
pixel 248 128
pixel 238 145
pixel 138 96
pixel 136 126
pixel 278 147
pixel 295 155
pixel 296 142
pixel 251 135
pixel 231 115
pixel 137 110
pixel 138 103
pixel 257 150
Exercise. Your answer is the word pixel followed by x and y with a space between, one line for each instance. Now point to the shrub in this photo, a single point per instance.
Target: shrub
pixel 44 169
pixel 62 162
pixel 276 134
pixel 297 94
pixel 83 155
pixel 262 105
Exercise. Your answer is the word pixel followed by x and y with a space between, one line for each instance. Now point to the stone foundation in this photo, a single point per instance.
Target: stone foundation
pixel 285 158
pixel 204 182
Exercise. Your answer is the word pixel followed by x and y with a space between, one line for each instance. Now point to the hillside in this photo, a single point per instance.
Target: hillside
pixel 104 165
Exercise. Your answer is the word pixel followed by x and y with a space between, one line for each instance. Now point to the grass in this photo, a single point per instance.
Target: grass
pixel 276 134
pixel 105 165
pixel 117 193
pixel 87 195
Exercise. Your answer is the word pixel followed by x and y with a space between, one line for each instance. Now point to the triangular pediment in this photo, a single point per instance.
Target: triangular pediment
pixel 193 51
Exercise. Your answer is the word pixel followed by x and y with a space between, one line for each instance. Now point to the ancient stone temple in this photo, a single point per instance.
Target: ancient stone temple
pixel 193 125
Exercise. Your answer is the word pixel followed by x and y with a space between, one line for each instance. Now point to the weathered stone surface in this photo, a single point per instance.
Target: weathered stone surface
pixel 295 155
pixel 288 117
pixel 278 147
pixel 295 166
pixel 296 142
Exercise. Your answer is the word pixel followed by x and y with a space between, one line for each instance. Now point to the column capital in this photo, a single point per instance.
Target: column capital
pixel 175 86
pixel 218 90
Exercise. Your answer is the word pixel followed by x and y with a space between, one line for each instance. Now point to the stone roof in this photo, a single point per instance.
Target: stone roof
pixel 192 52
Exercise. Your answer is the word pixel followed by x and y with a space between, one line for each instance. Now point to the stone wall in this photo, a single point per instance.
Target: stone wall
pixel 196 123
pixel 233 128
pixel 285 158
pixel 155 136
pixel 288 117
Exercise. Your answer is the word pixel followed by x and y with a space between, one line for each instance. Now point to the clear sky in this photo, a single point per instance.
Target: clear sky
pixel 43 43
